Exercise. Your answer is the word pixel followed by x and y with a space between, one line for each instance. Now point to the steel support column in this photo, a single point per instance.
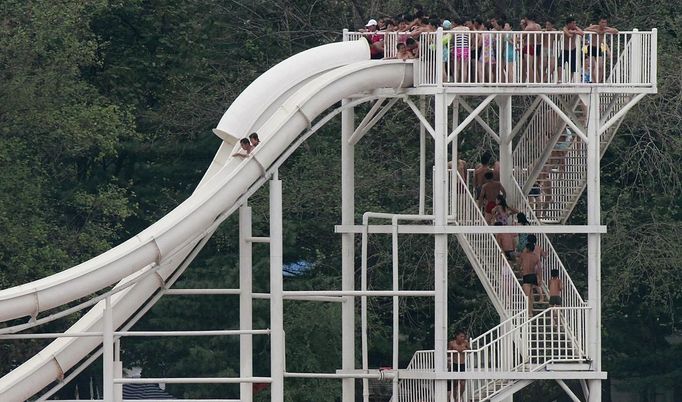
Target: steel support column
pixel 506 162
pixel 594 244
pixel 108 345
pixel 277 366
pixel 245 302
pixel 348 252
pixel 440 245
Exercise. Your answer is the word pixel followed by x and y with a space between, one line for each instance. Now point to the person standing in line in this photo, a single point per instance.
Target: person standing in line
pixel 569 55
pixel 488 196
pixel 459 345
pixel 555 288
pixel 530 49
pixel 529 261
pixel 599 47
pixel 461 59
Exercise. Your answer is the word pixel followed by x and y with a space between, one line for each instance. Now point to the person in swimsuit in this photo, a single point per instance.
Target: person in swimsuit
pixel 489 192
pixel 479 174
pixel 548 43
pixel 501 213
pixel 253 137
pixel 511 41
pixel 459 345
pixel 506 243
pixel 532 42
pixel 245 149
pixel 487 60
pixel 461 51
pixel 599 47
pixel 555 288
pixel 569 55
pixel 529 261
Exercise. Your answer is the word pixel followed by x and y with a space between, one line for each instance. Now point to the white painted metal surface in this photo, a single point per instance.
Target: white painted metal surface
pixel 187 221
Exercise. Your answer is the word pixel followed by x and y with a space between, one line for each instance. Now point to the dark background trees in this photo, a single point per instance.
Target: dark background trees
pixel 105 122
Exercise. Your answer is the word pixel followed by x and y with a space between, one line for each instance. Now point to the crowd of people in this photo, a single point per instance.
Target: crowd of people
pixel 521 250
pixel 473 45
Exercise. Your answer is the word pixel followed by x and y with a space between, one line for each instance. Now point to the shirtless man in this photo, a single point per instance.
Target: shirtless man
pixel 532 48
pixel 460 344
pixel 479 174
pixel 599 47
pixel 245 150
pixel 489 192
pixel 570 54
pixel 529 261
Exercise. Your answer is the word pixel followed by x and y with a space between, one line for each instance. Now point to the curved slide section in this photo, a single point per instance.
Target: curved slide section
pixel 168 236
pixel 219 193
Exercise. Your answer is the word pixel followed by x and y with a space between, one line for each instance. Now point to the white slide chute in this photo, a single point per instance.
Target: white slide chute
pixel 279 105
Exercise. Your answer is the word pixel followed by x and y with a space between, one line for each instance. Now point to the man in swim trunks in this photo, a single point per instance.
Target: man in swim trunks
pixel 555 288
pixel 489 192
pixel 599 46
pixel 459 345
pixel 532 47
pixel 569 55
pixel 529 261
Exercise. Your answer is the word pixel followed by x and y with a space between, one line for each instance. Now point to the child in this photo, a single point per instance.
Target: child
pixel 403 53
pixel 555 288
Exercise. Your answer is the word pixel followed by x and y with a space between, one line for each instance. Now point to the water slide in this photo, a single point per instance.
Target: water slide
pixel 279 105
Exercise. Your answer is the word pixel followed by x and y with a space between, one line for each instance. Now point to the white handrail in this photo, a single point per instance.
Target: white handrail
pixel 494 270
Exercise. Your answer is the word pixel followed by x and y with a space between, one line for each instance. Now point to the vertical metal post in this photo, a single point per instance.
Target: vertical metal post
pixel 506 176
pixel 245 302
pixel 108 354
pixel 654 57
pixel 396 301
pixel 276 289
pixel 422 158
pixel 440 204
pixel 118 370
pixel 637 58
pixel 594 243
pixel 506 163
pixel 455 160
pixel 348 252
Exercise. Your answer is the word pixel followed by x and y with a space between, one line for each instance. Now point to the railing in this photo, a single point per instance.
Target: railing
pixel 503 58
pixel 559 172
pixel 550 260
pixel 545 339
pixel 530 58
pixel 498 274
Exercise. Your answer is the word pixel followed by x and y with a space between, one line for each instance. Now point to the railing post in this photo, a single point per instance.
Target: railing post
pixel 654 57
pixel 594 243
pixel 439 57
pixel 440 204
pixel 245 303
pixel 636 63
pixel 345 34
pixel 348 251
pixel 108 354
pixel 277 365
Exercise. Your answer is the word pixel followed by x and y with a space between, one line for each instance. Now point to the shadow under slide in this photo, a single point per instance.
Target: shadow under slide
pixel 279 105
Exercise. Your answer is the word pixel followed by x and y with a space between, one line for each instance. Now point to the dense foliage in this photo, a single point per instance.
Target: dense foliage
pixel 105 122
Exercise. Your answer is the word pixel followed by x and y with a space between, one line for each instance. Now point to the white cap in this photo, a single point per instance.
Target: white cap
pixel 371 22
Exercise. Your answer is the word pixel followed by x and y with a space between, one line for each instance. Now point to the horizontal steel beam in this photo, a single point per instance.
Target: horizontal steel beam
pixel 431 229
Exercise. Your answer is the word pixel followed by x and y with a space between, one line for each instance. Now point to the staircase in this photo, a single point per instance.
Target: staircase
pixel 489 262
pixel 550 161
